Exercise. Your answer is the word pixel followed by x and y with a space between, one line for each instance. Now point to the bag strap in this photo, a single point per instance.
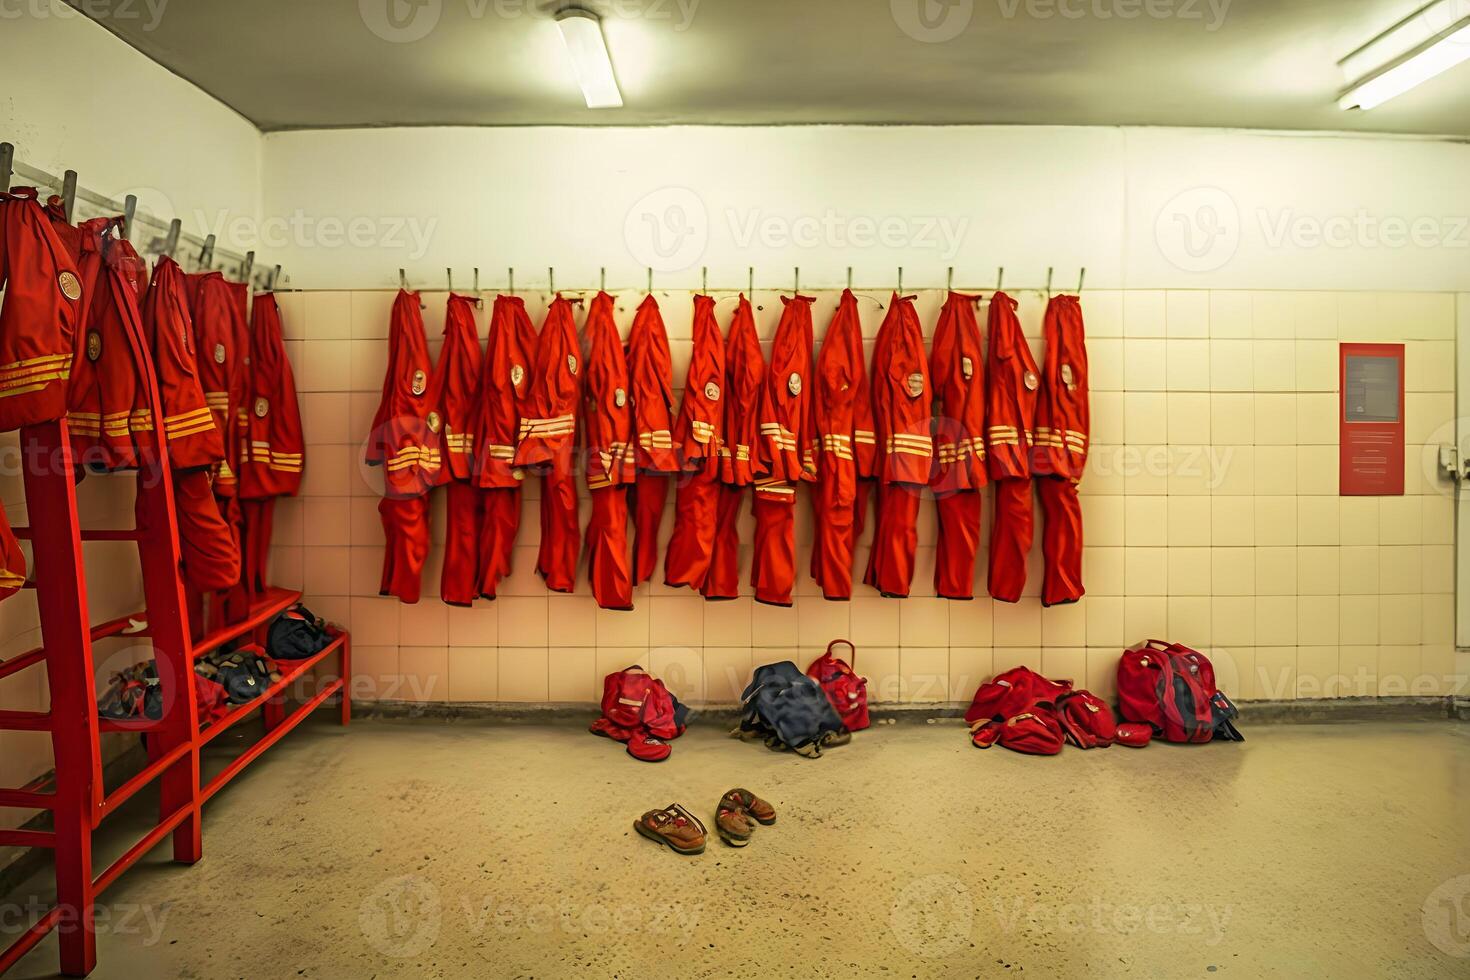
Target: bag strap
pixel 1157 645
pixel 852 660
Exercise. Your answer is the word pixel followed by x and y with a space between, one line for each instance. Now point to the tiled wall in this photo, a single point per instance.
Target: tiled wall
pixel 1211 514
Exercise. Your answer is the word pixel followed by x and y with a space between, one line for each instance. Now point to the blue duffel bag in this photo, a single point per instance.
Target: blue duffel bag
pixel 788 710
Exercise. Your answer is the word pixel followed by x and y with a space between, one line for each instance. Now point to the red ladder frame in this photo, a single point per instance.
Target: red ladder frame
pixel 79 801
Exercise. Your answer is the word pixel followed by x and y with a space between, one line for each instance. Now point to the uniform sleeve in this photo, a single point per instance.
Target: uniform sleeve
pixel 39 318
pixel 194 440
pixel 699 430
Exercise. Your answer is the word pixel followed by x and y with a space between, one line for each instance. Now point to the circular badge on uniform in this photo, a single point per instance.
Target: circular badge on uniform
pixel 620 398
pixel 261 408
pixel 712 391
pixel 915 384
pixel 572 363
pixel 518 473
pixel 517 374
pixel 1032 381
pixel 71 286
pixel 967 368
pixel 433 421
pixel 94 345
pixel 420 382
pixel 219 353
pixel 793 383
pixel 1067 375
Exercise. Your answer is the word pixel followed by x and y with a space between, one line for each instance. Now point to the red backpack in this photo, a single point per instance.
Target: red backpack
pixel 847 692
pixel 1087 720
pixel 1172 688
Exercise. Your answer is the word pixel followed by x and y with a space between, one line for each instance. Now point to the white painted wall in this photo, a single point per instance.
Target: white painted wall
pixel 72 96
pixel 1140 208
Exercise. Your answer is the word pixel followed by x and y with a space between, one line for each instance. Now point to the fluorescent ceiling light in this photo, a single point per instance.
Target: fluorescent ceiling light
pixel 1417 48
pixel 582 31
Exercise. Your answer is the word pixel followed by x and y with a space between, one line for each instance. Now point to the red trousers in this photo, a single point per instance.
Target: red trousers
pixel 232 605
pixel 256 520
pixel 722 581
pixel 895 540
pixel 773 564
pixel 607 548
pixel 835 514
pixel 688 559
pixel 651 494
pixel 1061 540
pixel 561 537
pixel 406 526
pixel 1010 538
pixel 959 543
pixel 500 520
pixel 207 548
pixel 459 582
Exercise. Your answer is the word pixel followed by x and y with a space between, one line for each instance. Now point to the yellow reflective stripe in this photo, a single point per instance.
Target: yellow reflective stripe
pixel 34 362
pixel 34 383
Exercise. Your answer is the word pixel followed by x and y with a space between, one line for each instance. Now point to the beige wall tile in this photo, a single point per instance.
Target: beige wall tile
pixel 1189 621
pixel 1318 620
pixel 1230 314
pixel 1144 313
pixel 1318 571
pixel 423 624
pixel 1276 571
pixel 1187 313
pixel 474 626
pixel 727 671
pixel 524 674
pixel 425 673
pixel 1187 363
pixel 474 673
pixel 680 668
pixel 1144 364
pixel 1145 572
pixel 1275 676
pixel 1359 619
pixel 924 673
pixel 679 620
pixel 880 665
pixel 1233 620
pixel 1064 625
pixel 729 622
pixel 1017 624
pixel 969 667
pixel 1189 521
pixel 775 626
pixel 1145 618
pixel 923 622
pixel 1146 522
pixel 1232 418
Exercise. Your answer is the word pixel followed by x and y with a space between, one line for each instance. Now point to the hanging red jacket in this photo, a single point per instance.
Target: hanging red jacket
pixel 208 549
pixel 220 349
pixel 698 434
pixel 958 367
pixel 405 440
pixel 787 452
pixel 273 449
pixel 651 373
pixel 902 413
pixel 1063 425
pixel 39 320
pixel 1011 384
pixel 547 440
pixel 607 432
pixel 108 413
pixel 844 426
pixel 458 376
pixel 745 371
pixel 505 397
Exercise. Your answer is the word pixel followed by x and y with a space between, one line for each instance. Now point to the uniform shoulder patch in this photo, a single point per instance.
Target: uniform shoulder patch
pixel 94 345
pixel 1032 381
pixel 915 384
pixel 70 285
pixel 712 391
pixel 967 368
pixel 793 383
pixel 261 408
pixel 420 382
pixel 620 398
pixel 433 421
pixel 517 375
pixel 572 363
pixel 219 353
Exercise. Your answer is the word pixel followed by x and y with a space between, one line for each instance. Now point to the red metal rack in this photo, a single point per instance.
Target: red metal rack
pixel 75 794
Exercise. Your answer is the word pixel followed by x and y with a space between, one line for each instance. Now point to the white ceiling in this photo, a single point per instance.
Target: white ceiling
pixel 1269 64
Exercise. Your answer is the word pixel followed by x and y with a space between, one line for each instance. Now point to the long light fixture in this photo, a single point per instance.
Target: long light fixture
pixel 581 29
pixel 1430 41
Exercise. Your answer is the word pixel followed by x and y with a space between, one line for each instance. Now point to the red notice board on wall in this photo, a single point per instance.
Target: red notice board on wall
pixel 1371 420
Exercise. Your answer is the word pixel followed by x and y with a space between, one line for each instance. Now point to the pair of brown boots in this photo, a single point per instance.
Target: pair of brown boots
pixel 736 818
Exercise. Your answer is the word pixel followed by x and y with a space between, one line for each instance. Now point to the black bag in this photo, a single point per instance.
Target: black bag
pixel 296 634
pixel 788 710
pixel 244 674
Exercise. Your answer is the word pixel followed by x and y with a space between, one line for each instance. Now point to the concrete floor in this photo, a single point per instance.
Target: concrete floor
pixel 432 849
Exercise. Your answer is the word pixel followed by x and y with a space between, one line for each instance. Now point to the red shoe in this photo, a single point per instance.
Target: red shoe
pixel 649 748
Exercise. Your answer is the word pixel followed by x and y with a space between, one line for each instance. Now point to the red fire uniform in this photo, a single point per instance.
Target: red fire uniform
pixel 38 323
pixel 108 413
pixel 902 415
pixel 1063 426
pixel 547 440
pixel 844 425
pixel 220 347
pixel 505 393
pixel 787 452
pixel 457 378
pixel 698 433
pixel 210 553
pixel 651 373
pixel 406 441
pixel 958 368
pixel 1011 384
pixel 607 431
pixel 745 372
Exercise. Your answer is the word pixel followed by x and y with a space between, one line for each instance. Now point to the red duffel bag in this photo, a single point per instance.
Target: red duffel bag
pixel 1172 688
pixel 847 692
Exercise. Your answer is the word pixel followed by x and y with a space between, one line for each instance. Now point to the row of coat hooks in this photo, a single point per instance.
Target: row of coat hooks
pixel 1000 275
pixel 166 244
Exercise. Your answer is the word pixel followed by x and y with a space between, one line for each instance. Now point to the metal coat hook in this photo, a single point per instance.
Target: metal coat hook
pixel 602 280
pixel 69 194
pixel 510 278
pixel 449 275
pixel 479 300
pixel 796 282
pixel 650 280
pixel 1081 275
pixel 1048 282
pixel 249 267
pixel 949 281
pixel 704 280
pixel 551 278
pixel 7 164
pixel 172 241
pixel 130 211
pixel 1000 277
pixel 402 280
pixel 275 278
pixel 206 254
pixel 900 280
pixel 849 277
pixel 752 282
